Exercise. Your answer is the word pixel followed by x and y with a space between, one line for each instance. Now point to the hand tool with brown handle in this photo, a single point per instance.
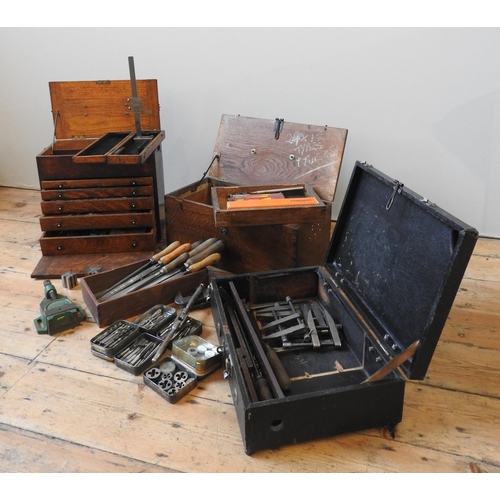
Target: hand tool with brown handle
pixel 119 290
pixel 152 261
pixel 197 266
pixel 148 279
pixel 160 276
pixel 215 248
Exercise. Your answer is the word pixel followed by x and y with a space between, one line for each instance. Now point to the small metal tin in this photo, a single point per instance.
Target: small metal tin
pixel 197 353
pixel 156 318
pixel 113 338
pixel 136 356
pixel 182 380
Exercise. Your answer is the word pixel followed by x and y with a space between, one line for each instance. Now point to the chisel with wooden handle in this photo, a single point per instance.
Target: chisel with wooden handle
pixel 116 291
pixel 197 266
pixel 156 262
pixel 152 261
pixel 216 247
pixel 160 276
pixel 151 277
pixel 182 264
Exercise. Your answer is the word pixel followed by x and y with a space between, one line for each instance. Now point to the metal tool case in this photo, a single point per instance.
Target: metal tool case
pixel 264 154
pixel 391 274
pixel 101 187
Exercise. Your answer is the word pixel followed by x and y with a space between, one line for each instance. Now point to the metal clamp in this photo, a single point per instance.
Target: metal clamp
pixel 278 127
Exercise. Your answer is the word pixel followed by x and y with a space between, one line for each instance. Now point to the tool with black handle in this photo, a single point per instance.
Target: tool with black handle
pixel 177 324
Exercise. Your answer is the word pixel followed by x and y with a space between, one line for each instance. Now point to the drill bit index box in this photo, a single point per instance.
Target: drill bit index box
pixel 253 154
pixel 317 351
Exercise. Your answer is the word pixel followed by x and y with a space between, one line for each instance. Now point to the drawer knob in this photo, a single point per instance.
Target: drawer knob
pixel 60 247
pixel 134 244
pixel 59 224
pixel 134 222
pixel 134 205
pixel 60 208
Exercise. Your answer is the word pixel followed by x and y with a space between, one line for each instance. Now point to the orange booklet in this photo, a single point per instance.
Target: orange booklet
pixel 270 202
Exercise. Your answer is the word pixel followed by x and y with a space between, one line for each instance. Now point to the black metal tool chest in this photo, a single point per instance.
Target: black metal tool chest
pixel 349 332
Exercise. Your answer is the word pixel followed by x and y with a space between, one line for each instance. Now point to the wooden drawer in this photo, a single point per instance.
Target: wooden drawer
pixel 97 221
pixel 87 194
pixel 97 241
pixel 90 206
pixel 96 183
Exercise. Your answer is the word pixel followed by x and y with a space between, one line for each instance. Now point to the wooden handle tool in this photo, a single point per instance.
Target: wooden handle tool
pixel 179 250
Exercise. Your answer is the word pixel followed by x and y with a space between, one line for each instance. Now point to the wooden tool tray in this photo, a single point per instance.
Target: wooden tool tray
pixel 101 186
pixel 250 153
pixel 108 311
pixel 295 213
pixel 389 279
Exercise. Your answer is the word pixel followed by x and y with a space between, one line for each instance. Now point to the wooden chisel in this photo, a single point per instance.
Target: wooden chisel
pixel 216 247
pixel 197 266
pixel 152 261
pixel 165 259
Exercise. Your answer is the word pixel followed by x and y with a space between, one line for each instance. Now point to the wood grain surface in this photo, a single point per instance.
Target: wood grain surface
pixel 64 410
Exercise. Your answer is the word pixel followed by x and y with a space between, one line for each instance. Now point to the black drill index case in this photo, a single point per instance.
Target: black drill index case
pixel 392 272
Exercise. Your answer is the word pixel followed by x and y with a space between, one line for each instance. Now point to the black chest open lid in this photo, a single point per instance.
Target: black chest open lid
pixel 400 260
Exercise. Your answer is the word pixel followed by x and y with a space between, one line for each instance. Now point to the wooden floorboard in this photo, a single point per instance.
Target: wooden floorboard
pixel 64 410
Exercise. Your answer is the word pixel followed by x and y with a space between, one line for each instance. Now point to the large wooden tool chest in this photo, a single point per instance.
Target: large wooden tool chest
pixel 102 185
pixel 370 316
pixel 262 154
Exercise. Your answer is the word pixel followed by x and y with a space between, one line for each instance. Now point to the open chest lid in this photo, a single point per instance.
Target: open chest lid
pixel 90 109
pixel 400 260
pixel 254 151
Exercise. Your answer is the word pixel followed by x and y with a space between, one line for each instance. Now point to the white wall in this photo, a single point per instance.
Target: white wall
pixel 420 104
